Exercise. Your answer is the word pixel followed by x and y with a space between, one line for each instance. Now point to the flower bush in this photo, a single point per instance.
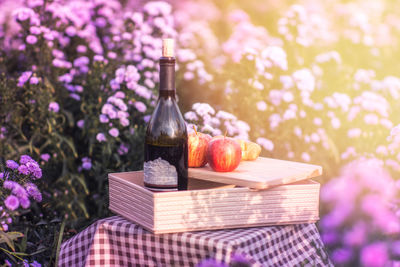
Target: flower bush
pixel 18 193
pixel 363 211
pixel 310 83
pixel 76 90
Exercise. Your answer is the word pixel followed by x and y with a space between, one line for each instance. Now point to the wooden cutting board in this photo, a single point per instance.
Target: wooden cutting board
pixel 261 173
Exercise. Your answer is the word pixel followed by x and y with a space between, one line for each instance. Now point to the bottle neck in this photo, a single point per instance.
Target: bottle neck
pixel 167 76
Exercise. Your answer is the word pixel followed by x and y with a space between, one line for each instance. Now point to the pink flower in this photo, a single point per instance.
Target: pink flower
pixel 238 15
pixel 11 202
pixel 371 119
pixel 304 80
pixel 140 106
pixel 356 236
pixel 305 157
pixel 101 137
pixel 354 133
pixel 261 105
pixel 375 255
pixel 81 49
pixel 45 157
pixel 31 39
pixel 265 143
pixel 34 80
pixel 54 107
pixel 113 132
pixel 23 14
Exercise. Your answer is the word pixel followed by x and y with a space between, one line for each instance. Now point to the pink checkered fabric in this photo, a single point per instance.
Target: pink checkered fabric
pixel 115 241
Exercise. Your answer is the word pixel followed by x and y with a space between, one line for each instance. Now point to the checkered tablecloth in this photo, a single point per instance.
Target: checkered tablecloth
pixel 115 241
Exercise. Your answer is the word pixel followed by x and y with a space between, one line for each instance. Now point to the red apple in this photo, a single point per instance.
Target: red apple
pixel 224 154
pixel 198 143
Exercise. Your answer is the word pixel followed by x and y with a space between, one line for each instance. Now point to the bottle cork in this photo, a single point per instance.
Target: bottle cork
pixel 167 47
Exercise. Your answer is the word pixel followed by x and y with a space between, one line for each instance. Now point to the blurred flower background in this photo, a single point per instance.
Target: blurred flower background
pixel 311 81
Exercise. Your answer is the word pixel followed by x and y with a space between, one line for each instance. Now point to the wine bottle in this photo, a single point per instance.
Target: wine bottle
pixel 166 143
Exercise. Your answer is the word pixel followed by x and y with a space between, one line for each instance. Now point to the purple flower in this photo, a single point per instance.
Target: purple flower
pixel 35 3
pixel 67 78
pixel 101 137
pixel 24 78
pixel 24 13
pixel 119 94
pixel 140 106
pixel 25 203
pixel 25 159
pixel 19 191
pixel 329 237
pixel 37 173
pixel 75 96
pixel 86 163
pixel 342 255
pixel 71 31
pixel 34 80
pixel 36 264
pixel 98 58
pixel 81 49
pixel 23 169
pixel 31 39
pixel 12 164
pixel 1 175
pixel 81 61
pixel 123 149
pixel 54 107
pixel 113 132
pixel 146 118
pixel 356 235
pixel 80 123
pixel 112 55
pixel 9 185
pixel 375 255
pixel 11 202
pixel 103 118
pixel 33 192
pixel 35 30
pixel 45 157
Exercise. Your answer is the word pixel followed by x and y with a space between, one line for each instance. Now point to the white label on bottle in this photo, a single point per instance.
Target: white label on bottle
pixel 160 172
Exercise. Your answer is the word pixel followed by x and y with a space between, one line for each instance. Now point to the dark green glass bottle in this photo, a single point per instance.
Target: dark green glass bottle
pixel 166 148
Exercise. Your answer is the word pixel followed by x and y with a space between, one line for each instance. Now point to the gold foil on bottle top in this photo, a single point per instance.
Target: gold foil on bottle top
pixel 167 47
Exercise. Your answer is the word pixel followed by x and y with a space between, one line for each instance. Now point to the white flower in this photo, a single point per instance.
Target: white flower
pixel 261 105
pixel 354 133
pixel 304 80
pixel 305 157
pixel 297 131
pixel 203 109
pixel 190 115
pixel 265 143
pixel 276 55
pixel 223 115
pixel 364 76
pixel 335 123
pixel 325 57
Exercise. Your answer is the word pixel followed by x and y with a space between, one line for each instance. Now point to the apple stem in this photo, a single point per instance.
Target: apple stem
pixel 194 128
pixel 226 131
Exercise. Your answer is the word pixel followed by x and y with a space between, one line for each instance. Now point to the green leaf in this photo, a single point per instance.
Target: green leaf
pixel 9 238
pixel 81 180
pixel 60 237
pixel 83 207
